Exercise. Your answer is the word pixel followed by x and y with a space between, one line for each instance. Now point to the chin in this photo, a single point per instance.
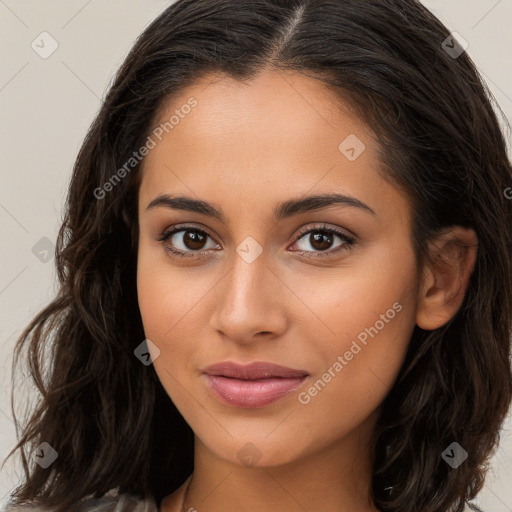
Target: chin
pixel 255 451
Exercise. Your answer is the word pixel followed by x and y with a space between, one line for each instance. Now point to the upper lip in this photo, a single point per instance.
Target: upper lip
pixel 256 370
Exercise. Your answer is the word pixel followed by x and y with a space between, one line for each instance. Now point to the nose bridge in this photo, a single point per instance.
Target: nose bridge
pixel 246 285
pixel 248 298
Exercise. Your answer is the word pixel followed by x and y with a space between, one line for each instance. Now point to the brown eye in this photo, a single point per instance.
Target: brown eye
pixel 321 240
pixel 194 240
pixel 186 241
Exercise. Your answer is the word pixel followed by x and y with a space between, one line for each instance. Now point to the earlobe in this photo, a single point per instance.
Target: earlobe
pixel 446 278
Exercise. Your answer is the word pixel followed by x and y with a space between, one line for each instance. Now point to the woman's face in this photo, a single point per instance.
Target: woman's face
pixel 275 282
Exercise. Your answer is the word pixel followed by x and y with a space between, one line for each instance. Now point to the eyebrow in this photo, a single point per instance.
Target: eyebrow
pixel 281 211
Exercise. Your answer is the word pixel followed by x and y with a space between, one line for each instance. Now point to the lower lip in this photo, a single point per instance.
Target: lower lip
pixel 251 394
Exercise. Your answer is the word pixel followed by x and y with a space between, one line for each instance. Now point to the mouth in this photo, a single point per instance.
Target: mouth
pixel 254 385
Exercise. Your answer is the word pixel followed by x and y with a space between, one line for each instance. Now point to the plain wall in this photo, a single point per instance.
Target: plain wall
pixel 46 107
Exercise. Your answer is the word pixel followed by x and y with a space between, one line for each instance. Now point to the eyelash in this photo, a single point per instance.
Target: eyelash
pixel 346 246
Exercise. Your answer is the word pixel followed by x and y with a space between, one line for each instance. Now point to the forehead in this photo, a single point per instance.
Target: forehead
pixel 283 104
pixel 275 136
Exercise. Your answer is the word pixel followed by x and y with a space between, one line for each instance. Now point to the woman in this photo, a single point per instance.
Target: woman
pixel 285 272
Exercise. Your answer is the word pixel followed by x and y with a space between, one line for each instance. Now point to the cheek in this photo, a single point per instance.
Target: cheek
pixel 166 312
pixel 367 319
pixel 173 310
pixel 340 304
pixel 165 296
pixel 359 369
pixel 156 304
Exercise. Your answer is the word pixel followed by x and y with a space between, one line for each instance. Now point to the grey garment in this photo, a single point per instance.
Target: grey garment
pixel 108 503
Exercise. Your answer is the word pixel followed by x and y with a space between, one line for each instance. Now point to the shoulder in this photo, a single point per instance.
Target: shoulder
pixel 108 503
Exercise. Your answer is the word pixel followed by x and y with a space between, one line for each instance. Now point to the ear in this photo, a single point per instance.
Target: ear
pixel 446 277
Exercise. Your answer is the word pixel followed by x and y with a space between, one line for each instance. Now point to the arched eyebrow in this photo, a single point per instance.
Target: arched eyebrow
pixel 281 211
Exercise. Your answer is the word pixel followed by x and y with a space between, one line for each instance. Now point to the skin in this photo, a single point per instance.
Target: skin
pixel 244 148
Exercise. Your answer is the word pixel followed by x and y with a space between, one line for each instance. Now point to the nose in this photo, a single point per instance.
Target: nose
pixel 251 302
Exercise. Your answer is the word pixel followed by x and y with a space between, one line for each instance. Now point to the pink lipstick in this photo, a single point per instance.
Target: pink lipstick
pixel 254 385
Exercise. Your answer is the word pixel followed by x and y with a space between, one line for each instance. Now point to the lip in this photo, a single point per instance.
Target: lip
pixel 253 371
pixel 253 385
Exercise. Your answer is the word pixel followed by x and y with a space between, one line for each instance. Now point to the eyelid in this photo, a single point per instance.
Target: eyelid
pixel 327 227
pixel 348 239
pixel 183 227
pixel 176 228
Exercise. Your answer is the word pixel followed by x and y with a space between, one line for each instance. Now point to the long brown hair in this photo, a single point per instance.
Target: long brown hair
pixel 108 416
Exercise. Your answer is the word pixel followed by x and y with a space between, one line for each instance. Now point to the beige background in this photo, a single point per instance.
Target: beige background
pixel 46 107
